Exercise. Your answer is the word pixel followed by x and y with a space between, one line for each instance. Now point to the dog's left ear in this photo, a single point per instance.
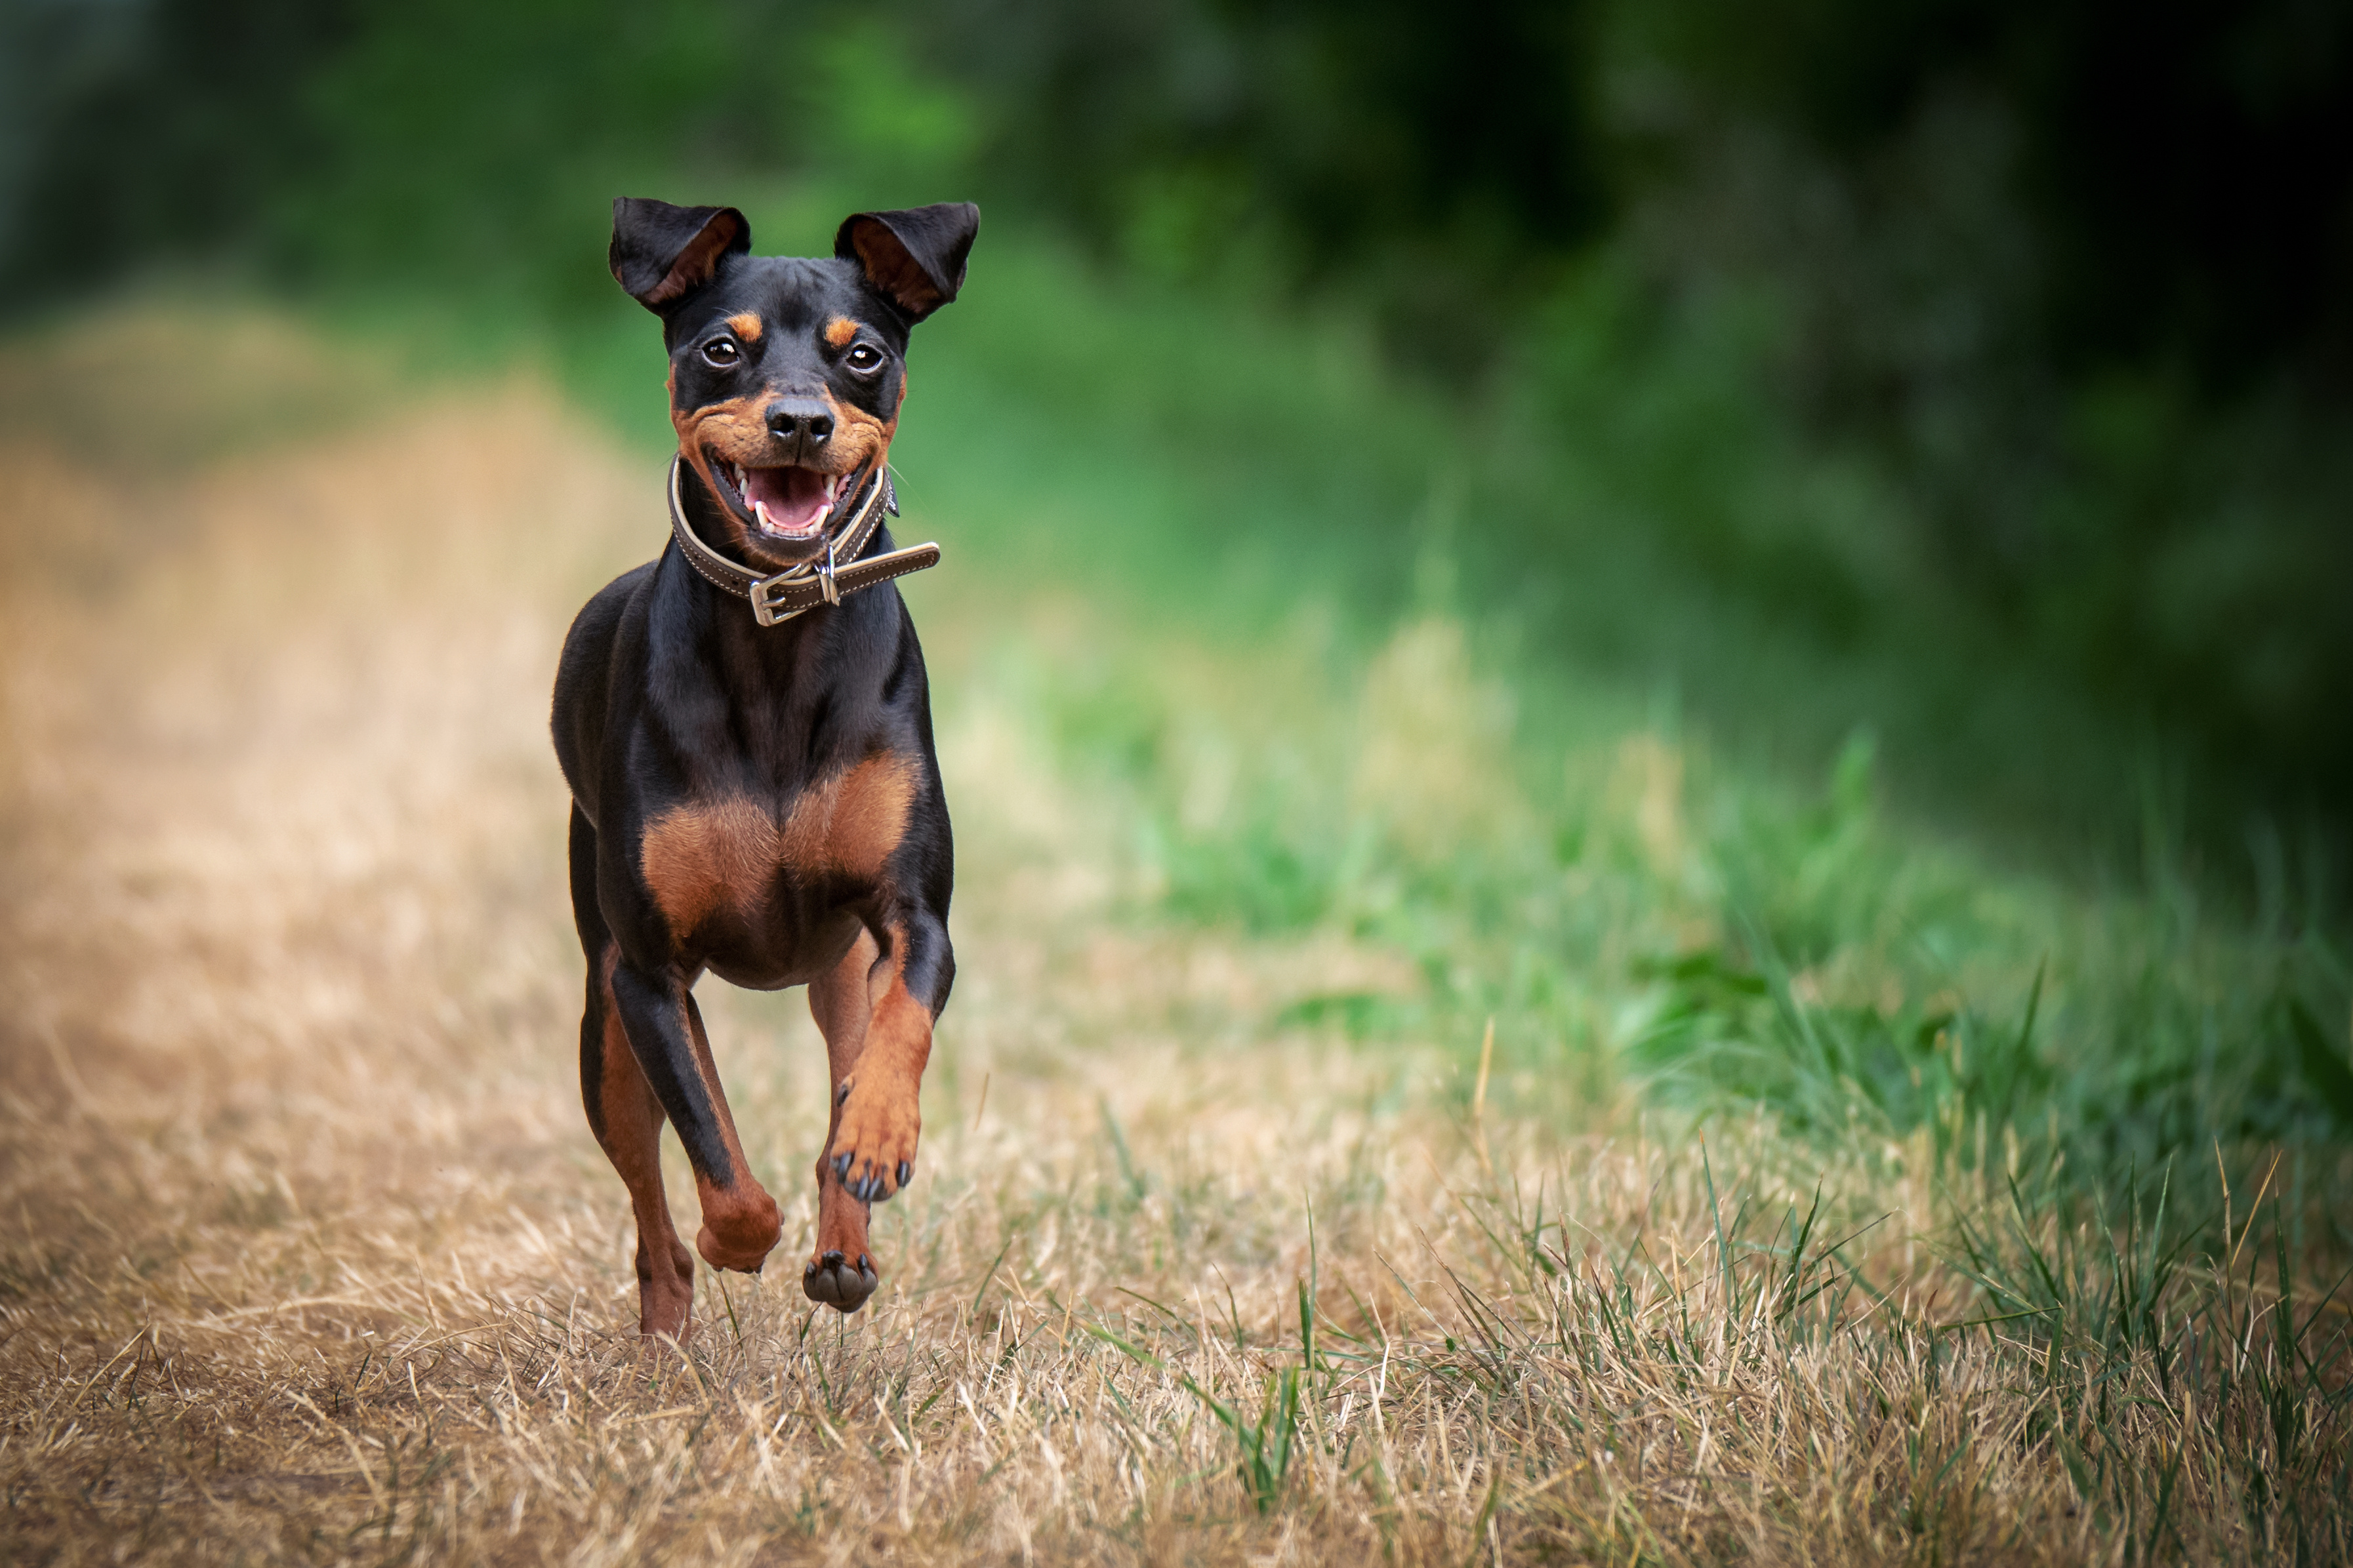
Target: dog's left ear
pixel 913 257
pixel 662 253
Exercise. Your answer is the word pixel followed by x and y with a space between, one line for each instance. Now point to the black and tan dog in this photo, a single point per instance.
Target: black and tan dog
pixel 746 728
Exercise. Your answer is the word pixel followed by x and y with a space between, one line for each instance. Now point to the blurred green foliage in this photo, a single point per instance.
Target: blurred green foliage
pixel 1976 368
pixel 1850 389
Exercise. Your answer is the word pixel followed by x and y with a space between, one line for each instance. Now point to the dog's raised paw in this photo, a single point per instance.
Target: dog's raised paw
pixel 739 1236
pixel 834 1281
pixel 875 1143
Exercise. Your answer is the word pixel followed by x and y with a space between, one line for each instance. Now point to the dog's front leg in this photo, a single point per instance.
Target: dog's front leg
pixel 740 1220
pixel 874 1135
pixel 876 1009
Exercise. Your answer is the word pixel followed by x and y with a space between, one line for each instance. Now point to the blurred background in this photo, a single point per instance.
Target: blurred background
pixel 1971 370
pixel 1825 439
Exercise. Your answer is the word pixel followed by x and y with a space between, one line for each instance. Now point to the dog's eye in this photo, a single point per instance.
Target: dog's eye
pixel 864 359
pixel 721 352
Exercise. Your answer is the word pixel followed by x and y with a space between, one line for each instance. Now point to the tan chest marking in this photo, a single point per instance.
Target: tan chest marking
pixel 699 859
pixel 725 854
pixel 850 825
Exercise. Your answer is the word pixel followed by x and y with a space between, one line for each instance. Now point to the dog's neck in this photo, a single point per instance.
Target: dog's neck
pixel 785 698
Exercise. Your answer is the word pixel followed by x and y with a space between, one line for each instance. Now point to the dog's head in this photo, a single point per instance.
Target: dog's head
pixel 785 372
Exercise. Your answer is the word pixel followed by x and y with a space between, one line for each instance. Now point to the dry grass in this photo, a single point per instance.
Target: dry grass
pixel 309 1256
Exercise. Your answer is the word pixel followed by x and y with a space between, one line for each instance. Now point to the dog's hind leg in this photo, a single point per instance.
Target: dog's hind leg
pixel 840 1273
pixel 627 1120
pixel 624 1114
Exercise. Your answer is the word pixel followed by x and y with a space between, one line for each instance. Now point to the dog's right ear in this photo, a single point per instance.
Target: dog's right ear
pixel 662 253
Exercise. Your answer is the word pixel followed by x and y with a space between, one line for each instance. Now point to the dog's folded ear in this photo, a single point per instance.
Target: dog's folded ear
pixel 662 253
pixel 913 257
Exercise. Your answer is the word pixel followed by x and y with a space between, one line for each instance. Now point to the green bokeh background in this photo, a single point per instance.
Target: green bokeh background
pixel 1932 419
pixel 1974 372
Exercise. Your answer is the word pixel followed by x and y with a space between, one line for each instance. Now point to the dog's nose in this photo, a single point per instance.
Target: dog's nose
pixel 800 419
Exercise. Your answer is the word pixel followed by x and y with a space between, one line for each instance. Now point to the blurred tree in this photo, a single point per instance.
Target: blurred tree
pixel 2076 271
pixel 2186 171
pixel 362 138
pixel 135 127
pixel 1362 140
pixel 2190 164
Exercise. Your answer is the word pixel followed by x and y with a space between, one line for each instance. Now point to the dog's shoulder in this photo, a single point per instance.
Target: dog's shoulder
pixel 584 674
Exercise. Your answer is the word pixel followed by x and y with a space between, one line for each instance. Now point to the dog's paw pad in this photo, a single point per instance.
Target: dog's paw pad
pixel 832 1281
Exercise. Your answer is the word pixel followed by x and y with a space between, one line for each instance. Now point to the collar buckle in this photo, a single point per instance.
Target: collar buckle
pixel 767 595
pixel 825 583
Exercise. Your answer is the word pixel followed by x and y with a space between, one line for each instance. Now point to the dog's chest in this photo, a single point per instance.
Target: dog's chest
pixel 729 855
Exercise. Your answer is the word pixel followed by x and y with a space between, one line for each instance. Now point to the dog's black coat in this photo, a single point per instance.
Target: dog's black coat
pixel 666 686
pixel 757 802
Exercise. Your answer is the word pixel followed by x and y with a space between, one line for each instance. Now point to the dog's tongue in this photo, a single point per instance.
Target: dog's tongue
pixel 788 500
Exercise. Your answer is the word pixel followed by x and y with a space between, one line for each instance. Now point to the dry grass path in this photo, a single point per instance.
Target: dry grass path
pixel 306 1255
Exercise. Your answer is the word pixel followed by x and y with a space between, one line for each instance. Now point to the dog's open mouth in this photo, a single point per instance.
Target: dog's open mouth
pixel 789 502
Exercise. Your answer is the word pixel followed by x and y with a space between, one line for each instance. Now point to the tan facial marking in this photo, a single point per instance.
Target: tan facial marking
pixel 858 437
pixel 736 429
pixel 745 326
pixel 840 330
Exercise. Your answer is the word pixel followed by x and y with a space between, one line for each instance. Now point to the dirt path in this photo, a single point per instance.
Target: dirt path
pixel 292 996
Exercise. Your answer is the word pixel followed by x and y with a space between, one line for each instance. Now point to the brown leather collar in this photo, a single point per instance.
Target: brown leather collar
pixel 800 589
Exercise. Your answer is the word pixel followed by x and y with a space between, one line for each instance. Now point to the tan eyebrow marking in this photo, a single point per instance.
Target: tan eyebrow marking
pixel 840 330
pixel 745 326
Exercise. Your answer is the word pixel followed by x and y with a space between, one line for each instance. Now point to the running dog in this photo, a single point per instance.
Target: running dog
pixel 746 726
